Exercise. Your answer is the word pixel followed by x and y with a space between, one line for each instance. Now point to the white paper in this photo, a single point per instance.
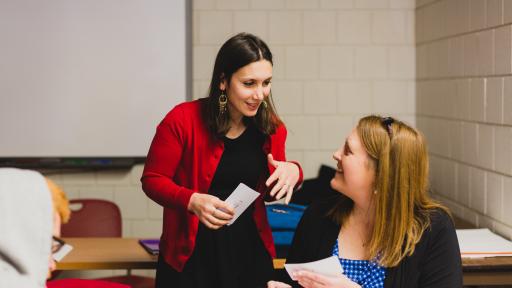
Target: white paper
pixel 240 199
pixel 330 266
pixel 478 243
pixel 63 251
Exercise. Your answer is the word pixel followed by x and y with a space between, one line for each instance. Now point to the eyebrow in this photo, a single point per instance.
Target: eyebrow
pixel 243 78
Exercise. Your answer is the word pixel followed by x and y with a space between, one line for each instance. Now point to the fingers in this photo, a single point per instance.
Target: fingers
pixel 287 175
pixel 313 276
pixel 289 195
pixel 276 284
pixel 274 175
pixel 225 209
pixel 214 220
pixel 211 211
pixel 311 279
pixel 272 178
pixel 283 190
pixel 277 187
pixel 221 215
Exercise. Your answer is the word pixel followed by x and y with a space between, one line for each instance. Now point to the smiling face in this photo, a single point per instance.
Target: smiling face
pixel 355 174
pixel 247 88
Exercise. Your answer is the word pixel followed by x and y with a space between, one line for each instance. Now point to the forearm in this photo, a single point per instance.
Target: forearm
pixel 165 192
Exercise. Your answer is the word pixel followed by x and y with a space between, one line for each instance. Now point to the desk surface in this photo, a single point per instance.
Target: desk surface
pixel 126 253
pixel 111 253
pixel 106 253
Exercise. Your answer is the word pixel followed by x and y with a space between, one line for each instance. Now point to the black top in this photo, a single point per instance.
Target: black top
pixel 232 256
pixel 436 261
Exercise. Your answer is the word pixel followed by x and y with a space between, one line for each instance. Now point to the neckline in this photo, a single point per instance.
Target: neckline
pixel 239 136
pixel 337 253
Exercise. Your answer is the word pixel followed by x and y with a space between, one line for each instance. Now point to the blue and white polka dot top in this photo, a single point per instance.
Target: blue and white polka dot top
pixel 366 273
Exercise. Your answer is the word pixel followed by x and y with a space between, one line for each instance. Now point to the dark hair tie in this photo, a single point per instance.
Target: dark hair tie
pixel 386 122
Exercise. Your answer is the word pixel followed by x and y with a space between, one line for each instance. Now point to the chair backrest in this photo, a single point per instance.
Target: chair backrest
pixel 93 218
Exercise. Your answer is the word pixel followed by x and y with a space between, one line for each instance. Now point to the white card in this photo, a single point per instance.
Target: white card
pixel 240 199
pixel 63 251
pixel 330 266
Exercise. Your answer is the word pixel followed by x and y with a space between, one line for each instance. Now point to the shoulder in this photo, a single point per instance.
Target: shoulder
pixel 194 106
pixel 280 130
pixel 185 112
pixel 440 235
pixel 440 222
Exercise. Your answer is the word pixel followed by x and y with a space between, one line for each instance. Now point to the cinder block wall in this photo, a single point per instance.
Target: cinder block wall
pixel 335 61
pixel 464 105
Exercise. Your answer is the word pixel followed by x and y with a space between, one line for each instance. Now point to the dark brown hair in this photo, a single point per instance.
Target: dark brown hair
pixel 239 51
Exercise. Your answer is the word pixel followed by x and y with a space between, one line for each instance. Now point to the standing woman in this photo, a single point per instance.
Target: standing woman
pixel 201 151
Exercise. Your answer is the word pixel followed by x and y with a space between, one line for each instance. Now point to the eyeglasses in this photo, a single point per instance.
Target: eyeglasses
pixel 386 122
pixel 57 244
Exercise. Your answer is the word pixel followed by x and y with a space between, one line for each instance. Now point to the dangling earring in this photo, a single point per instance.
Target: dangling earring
pixel 265 105
pixel 375 192
pixel 223 101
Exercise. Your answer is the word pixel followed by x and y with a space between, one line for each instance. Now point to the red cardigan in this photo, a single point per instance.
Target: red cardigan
pixel 182 159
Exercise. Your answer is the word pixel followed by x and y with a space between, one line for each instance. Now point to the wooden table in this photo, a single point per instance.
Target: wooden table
pixel 126 253
pixel 106 253
pixel 487 271
pixel 111 254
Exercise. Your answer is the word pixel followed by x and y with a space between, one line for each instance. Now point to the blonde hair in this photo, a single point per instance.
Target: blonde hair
pixel 399 157
pixel 60 201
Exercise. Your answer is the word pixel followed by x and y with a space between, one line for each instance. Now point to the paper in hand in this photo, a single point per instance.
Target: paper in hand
pixel 240 199
pixel 63 251
pixel 330 266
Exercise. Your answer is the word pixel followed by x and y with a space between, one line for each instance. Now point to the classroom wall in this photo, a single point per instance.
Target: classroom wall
pixel 464 105
pixel 335 61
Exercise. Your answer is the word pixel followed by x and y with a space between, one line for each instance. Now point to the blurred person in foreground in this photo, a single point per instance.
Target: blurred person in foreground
pixel 26 225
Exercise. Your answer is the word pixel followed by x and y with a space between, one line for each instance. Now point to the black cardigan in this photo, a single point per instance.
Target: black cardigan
pixel 436 261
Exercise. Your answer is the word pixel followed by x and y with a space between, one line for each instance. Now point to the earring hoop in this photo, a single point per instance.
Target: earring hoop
pixel 223 101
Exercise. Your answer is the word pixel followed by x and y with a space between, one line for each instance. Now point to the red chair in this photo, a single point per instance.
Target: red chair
pixel 100 218
pixel 93 218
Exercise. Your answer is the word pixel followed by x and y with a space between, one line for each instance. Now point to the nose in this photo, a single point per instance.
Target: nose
pixel 258 94
pixel 336 155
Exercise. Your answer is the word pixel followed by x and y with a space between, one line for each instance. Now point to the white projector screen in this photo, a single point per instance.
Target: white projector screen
pixel 89 78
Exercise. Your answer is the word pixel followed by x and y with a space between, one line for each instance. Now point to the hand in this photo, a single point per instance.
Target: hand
pixel 286 174
pixel 308 279
pixel 276 284
pixel 212 212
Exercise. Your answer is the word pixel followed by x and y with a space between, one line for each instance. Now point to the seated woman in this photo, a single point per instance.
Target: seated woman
pixel 383 226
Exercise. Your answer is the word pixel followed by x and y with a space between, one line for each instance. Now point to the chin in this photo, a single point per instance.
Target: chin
pixel 250 113
pixel 333 184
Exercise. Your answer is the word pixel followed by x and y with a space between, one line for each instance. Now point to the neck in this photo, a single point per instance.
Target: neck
pixel 364 214
pixel 236 120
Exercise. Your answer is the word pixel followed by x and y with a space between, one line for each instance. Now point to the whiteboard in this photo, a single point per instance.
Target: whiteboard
pixel 89 78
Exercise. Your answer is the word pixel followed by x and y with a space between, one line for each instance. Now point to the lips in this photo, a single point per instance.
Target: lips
pixel 253 106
